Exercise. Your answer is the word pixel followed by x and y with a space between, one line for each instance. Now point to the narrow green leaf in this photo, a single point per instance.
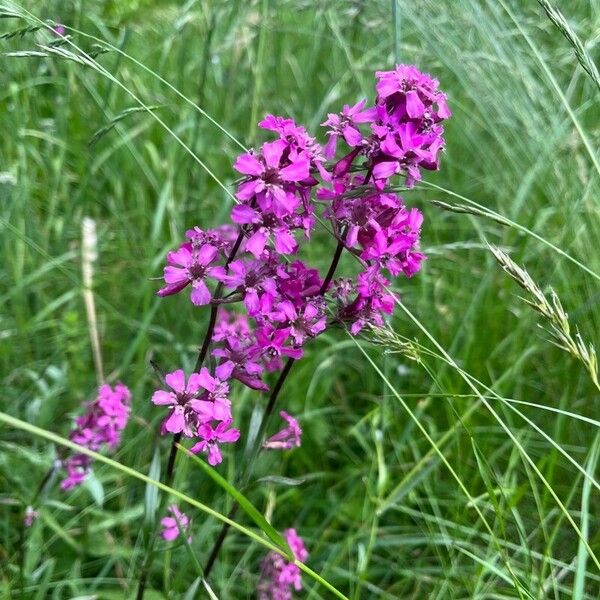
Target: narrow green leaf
pixel 151 495
pixel 244 503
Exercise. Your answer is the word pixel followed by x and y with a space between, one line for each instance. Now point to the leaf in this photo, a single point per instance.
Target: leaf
pixel 278 480
pixel 95 488
pixel 193 589
pixel 209 591
pixel 244 503
pixel 151 496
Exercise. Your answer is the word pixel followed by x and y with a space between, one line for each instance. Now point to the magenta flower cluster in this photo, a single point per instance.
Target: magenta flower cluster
pixel 400 134
pixel 253 260
pixel 279 576
pixel 100 426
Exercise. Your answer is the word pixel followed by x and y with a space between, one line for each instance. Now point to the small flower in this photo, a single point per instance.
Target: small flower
pixel 271 343
pixel 345 125
pixel 173 526
pixel 77 468
pixel 241 352
pixel 211 438
pixel 190 264
pixel 185 414
pixel 270 180
pixel 278 576
pixel 30 516
pixel 288 437
pixel 59 30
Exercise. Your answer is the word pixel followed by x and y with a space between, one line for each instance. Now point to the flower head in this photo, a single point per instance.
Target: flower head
pixel 278 576
pixel 187 412
pixel 212 437
pixel 174 525
pixel 273 177
pixel 30 516
pixel 190 264
pixel 101 425
pixel 288 437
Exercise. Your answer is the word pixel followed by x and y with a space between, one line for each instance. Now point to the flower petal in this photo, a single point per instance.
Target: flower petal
pixel 200 293
pixel 160 397
pixel 248 164
pixel 176 380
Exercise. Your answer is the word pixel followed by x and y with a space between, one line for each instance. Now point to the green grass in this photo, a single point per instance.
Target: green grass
pixel 471 472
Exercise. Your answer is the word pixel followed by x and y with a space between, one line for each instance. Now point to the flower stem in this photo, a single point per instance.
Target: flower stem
pixel 266 415
pixel 170 472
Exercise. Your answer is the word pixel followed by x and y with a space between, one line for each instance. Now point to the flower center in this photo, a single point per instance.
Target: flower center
pixel 197 271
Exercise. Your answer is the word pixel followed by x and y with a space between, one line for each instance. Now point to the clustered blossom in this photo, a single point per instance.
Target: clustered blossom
pixel 175 524
pixel 278 576
pixel 100 426
pixel 286 439
pixel 284 303
pixel 194 407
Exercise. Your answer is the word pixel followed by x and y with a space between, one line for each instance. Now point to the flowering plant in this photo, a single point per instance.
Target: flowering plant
pixel 284 302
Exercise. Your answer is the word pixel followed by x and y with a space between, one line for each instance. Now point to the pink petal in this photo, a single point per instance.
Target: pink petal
pixel 203 408
pixel 414 107
pixel 175 275
pixel 200 293
pixel 256 243
pixel 194 383
pixel 222 410
pixel 207 254
pixel 297 171
pixel 174 288
pixel 249 189
pixel 176 422
pixel 352 136
pixel 214 455
pixel 383 170
pixel 330 147
pixel 199 447
pixel 207 381
pixel 182 256
pixel 176 380
pixel 285 243
pixel 243 214
pixel 272 152
pixel 232 435
pixel 223 372
pixel 248 164
pixel 161 397
pixel 170 534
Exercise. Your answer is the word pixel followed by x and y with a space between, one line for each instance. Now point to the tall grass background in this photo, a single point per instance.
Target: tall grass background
pixel 453 455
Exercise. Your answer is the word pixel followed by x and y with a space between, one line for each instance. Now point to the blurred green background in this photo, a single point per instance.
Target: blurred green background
pixel 381 514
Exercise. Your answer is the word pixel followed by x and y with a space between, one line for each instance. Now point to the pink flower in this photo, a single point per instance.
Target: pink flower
pixel 173 526
pixel 272 345
pixel 288 437
pixel 191 264
pixel 101 425
pixel 30 516
pixel 346 125
pixel 211 438
pixel 186 412
pixel 272 176
pixel 279 576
